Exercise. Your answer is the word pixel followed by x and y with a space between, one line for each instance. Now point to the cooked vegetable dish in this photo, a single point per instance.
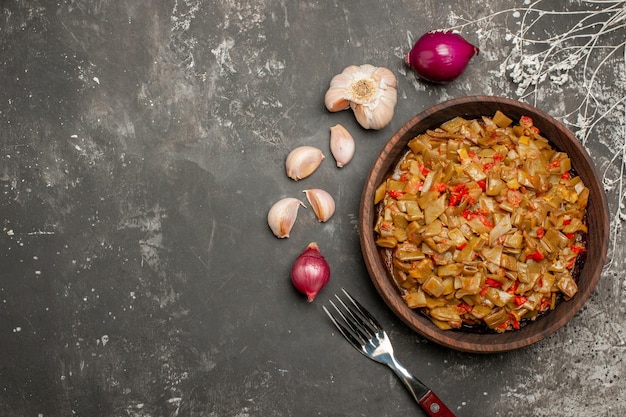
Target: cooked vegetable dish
pixel 482 224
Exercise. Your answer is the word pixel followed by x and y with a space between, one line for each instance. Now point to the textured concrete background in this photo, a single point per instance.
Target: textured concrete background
pixel 143 143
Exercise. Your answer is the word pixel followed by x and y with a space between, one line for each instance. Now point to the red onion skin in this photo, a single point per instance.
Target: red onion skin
pixel 310 272
pixel 440 56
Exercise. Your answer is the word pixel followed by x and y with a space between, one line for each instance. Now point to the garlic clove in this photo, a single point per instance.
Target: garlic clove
pixel 370 91
pixel 338 97
pixel 303 161
pixel 282 216
pixel 385 77
pixel 377 118
pixel 322 203
pixel 342 145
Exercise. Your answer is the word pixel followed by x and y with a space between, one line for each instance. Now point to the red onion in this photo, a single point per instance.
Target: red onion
pixel 440 56
pixel 310 272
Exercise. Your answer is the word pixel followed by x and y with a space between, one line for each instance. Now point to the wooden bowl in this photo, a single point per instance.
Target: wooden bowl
pixel 597 217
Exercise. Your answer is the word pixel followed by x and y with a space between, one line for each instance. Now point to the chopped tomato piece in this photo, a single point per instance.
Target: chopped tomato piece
pixel 493 283
pixel 536 256
pixel 528 123
pixel 461 188
pixel 544 304
pixel 519 300
pixel 395 193
pixel 464 308
pixel 571 263
pixel 439 186
pixel 554 164
pixel 455 199
pixel 457 194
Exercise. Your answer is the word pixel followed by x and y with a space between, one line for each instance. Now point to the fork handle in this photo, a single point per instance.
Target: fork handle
pixel 433 406
pixel 425 397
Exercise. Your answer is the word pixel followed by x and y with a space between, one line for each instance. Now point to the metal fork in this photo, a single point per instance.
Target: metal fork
pixel 367 336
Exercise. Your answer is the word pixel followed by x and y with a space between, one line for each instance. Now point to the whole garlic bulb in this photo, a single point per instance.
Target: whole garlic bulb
pixel 370 91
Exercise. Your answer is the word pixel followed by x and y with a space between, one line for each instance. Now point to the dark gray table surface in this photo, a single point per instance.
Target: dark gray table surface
pixel 142 144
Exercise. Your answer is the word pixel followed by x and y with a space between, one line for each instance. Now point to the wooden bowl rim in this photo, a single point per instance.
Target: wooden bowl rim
pixel 559 137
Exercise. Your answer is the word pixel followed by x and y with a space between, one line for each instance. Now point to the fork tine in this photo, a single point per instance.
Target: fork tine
pixel 356 322
pixel 366 314
pixel 343 329
pixel 353 322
